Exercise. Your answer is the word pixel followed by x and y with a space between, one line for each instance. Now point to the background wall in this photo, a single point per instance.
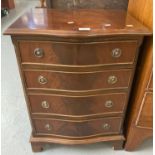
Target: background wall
pixel 105 4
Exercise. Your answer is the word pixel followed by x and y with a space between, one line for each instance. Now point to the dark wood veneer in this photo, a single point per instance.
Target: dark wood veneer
pixel 77 65
pixel 78 81
pixel 78 129
pixel 93 53
pixel 50 23
pixel 78 106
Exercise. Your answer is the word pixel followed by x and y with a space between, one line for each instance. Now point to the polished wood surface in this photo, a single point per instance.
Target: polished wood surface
pixel 10 4
pixel 101 22
pixel 138 104
pixel 102 4
pixel 38 142
pixel 140 116
pixel 78 106
pixel 78 129
pixel 46 139
pixel 143 11
pixel 93 53
pixel 79 81
pixel 69 73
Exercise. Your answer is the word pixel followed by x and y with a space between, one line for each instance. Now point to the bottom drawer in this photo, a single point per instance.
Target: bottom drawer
pixel 78 129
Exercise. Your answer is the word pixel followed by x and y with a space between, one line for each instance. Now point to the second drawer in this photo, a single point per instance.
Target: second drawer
pixel 106 79
pixel 78 106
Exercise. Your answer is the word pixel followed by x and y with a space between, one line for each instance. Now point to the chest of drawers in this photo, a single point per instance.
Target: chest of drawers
pixel 77 68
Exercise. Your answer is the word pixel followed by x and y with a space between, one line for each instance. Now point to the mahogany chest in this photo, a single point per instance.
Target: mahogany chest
pixel 77 68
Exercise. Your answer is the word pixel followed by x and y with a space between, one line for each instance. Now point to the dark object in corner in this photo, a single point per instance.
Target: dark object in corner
pixel 4 12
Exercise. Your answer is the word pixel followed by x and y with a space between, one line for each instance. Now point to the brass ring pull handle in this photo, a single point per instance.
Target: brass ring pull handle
pixel 42 80
pixel 108 104
pixel 106 126
pixel 116 52
pixel 39 52
pixel 48 127
pixel 112 79
pixel 45 104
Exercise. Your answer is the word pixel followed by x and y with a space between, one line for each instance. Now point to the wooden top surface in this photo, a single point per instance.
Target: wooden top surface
pixel 76 22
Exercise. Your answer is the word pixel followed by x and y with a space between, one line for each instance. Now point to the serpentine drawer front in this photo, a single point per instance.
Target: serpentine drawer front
pixel 80 81
pixel 77 69
pixel 72 129
pixel 95 53
pixel 104 104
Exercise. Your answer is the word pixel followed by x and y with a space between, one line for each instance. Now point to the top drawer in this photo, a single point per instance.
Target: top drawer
pixel 94 53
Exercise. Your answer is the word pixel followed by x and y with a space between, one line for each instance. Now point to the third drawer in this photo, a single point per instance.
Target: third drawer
pixel 72 106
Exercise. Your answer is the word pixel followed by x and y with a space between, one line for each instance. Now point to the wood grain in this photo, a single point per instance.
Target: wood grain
pixel 78 81
pixel 141 109
pixel 38 142
pixel 78 106
pixel 94 53
pixel 74 75
pixel 49 22
pixel 78 129
pixel 57 140
pixel 142 10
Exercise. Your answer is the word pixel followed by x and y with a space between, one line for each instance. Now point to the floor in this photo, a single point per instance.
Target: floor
pixel 15 123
